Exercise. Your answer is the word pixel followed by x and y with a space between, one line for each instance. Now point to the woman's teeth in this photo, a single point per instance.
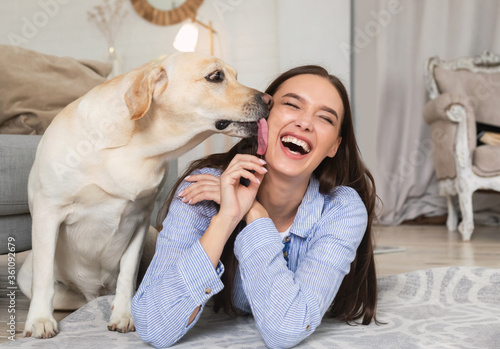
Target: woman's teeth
pixel 298 142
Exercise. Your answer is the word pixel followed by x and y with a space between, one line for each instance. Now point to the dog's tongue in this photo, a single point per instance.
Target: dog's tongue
pixel 262 137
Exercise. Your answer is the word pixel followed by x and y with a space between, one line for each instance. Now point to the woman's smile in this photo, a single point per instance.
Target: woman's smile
pixel 295 146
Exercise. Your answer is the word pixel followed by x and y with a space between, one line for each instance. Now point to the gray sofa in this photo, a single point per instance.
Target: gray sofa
pixel 17 153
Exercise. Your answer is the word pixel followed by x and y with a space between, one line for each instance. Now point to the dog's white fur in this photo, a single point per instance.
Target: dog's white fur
pixel 98 169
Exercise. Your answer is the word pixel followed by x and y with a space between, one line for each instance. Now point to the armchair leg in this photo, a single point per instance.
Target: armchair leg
pixel 452 221
pixel 466 227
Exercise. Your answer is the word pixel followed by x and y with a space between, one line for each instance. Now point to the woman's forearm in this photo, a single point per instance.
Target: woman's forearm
pixel 215 237
pixel 213 241
pixel 178 283
pixel 256 211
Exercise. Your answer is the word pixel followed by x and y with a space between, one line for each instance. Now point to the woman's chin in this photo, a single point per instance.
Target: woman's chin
pixel 287 168
pixel 288 164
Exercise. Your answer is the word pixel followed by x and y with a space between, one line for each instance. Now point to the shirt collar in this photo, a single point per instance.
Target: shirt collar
pixel 309 211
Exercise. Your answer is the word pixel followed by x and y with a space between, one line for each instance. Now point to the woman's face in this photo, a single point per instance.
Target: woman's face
pixel 304 125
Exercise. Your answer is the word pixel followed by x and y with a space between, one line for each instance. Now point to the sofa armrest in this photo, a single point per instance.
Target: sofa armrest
pixel 17 154
pixel 436 108
pixel 445 131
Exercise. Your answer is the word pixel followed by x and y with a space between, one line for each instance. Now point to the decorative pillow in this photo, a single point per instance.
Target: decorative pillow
pixel 489 138
pixel 35 87
pixel 482 89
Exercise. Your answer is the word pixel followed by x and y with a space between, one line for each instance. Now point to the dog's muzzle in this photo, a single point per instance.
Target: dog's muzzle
pixel 256 109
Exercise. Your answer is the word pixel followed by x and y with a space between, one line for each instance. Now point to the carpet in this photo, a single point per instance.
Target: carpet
pixel 455 307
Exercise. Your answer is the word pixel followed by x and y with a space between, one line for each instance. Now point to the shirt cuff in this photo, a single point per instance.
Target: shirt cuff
pixel 201 278
pixel 255 236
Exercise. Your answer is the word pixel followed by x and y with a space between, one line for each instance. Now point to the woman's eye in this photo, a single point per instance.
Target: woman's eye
pixel 216 76
pixel 327 119
pixel 291 105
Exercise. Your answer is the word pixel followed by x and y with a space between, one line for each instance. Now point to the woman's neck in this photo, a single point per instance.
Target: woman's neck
pixel 281 198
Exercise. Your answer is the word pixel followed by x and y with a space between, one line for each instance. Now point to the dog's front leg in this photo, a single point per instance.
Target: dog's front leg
pixel 40 323
pixel 121 317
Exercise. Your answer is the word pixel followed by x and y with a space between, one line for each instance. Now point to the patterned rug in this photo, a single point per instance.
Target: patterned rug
pixel 456 307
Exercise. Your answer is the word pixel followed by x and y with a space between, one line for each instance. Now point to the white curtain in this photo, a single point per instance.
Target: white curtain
pixel 414 31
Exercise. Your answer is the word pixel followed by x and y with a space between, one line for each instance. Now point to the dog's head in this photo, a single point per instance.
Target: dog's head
pixel 197 94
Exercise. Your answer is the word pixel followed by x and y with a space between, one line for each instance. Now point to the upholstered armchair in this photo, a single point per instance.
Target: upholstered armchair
pixel 464 93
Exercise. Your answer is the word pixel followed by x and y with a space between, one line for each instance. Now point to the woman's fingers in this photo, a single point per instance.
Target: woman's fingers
pixel 203 176
pixel 205 187
pixel 233 177
pixel 248 166
pixel 212 195
pixel 245 160
pixel 201 192
pixel 260 176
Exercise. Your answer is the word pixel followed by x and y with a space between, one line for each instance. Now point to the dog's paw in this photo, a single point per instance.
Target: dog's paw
pixel 121 323
pixel 41 328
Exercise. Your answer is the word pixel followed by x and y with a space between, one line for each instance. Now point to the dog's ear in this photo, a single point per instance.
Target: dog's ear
pixel 139 95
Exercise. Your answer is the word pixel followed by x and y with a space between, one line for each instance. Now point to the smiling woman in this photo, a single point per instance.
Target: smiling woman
pixel 289 246
pixel 303 125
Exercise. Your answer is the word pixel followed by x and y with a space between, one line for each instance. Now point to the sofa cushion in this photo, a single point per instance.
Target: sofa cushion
pixel 486 160
pixel 35 87
pixel 17 154
pixel 481 88
pixel 18 227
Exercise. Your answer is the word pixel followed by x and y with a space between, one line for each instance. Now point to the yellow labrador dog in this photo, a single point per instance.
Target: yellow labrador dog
pixel 98 169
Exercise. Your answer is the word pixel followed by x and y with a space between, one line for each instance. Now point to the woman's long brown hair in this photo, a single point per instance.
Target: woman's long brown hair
pixel 357 295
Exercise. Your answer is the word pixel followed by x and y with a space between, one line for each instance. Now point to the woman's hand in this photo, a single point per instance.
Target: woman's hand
pixel 205 187
pixel 235 198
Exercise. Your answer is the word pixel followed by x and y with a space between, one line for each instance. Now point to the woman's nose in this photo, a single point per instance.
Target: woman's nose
pixel 304 121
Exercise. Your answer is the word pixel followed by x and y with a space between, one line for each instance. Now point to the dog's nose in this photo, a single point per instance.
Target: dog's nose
pixel 267 99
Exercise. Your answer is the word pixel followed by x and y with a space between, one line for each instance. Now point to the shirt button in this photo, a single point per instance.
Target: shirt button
pixel 208 290
pixel 287 239
pixel 308 327
pixel 285 254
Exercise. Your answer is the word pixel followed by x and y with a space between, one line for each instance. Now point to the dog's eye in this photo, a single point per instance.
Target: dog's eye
pixel 216 76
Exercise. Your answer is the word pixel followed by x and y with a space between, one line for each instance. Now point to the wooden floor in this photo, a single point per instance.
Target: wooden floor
pixel 424 247
pixel 435 247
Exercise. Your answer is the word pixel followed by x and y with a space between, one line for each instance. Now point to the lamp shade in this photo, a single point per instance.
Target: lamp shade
pixel 186 38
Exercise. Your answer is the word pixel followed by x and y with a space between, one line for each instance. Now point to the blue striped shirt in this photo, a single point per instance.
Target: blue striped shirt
pixel 286 298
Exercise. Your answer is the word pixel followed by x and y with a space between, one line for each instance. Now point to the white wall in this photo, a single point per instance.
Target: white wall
pixel 315 32
pixel 260 38
pixel 365 82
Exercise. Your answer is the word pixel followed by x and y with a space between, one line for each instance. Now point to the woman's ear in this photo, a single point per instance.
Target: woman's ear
pixel 139 95
pixel 335 147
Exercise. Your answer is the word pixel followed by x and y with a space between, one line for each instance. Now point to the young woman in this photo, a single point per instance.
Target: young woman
pixel 291 245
